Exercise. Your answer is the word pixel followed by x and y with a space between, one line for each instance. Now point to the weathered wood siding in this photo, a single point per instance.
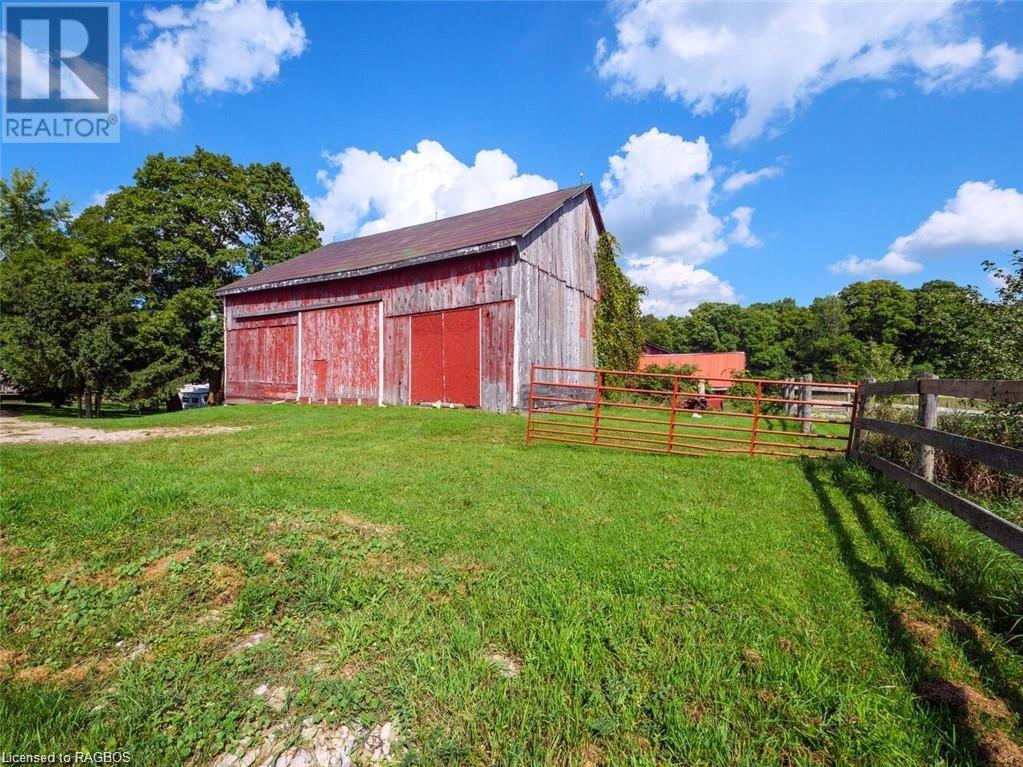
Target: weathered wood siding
pixel 340 354
pixel 262 359
pixel 556 284
pixel 264 367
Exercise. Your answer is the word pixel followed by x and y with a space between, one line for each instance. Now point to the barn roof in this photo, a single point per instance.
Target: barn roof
pixel 465 234
pixel 719 366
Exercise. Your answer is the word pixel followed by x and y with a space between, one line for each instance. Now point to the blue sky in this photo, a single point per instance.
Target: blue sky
pixel 887 137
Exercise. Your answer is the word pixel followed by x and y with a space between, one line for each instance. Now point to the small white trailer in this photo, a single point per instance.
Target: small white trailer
pixel 193 395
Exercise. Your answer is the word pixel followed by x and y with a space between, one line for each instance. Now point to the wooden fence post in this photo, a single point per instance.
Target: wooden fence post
pixel 860 405
pixel 927 418
pixel 805 411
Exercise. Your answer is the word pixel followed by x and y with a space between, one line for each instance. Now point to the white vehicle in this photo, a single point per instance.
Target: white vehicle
pixel 193 395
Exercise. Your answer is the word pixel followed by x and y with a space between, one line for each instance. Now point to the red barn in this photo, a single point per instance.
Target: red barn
pixel 454 310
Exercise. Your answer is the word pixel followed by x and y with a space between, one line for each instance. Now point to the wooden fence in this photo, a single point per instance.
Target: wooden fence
pixel 926 437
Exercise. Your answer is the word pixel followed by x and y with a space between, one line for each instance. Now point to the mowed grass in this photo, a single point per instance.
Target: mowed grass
pixel 659 609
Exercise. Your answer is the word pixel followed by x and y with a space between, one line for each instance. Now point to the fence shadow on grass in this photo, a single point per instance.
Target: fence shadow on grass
pixel 899 503
pixel 883 587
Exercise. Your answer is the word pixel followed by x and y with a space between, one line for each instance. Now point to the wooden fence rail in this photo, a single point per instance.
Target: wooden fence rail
pixel 926 437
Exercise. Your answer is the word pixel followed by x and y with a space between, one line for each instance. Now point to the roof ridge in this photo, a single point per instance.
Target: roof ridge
pixel 574 189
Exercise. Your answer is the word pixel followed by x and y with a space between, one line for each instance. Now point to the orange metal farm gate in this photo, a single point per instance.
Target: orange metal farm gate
pixel 689 414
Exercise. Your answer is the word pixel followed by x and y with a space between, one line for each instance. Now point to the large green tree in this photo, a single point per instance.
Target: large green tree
pixel 65 317
pixel 879 310
pixel 950 328
pixel 121 299
pixel 187 226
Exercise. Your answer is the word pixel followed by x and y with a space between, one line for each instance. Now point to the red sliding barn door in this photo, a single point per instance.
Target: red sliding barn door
pixel 446 357
pixel 262 359
pixel 428 357
pixel 462 357
pixel 341 354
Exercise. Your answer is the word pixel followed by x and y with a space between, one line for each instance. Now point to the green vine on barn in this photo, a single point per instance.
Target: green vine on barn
pixel 617 332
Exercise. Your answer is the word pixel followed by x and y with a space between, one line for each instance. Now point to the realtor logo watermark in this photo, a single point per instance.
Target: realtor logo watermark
pixel 61 73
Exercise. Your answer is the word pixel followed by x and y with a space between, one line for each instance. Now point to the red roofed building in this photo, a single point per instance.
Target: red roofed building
pixel 455 310
pixel 708 365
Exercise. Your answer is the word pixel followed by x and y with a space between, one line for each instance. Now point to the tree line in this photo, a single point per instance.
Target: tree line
pixel 872 329
pixel 118 302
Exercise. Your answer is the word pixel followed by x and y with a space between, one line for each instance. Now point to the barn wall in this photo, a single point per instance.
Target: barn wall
pixel 486 279
pixel 556 281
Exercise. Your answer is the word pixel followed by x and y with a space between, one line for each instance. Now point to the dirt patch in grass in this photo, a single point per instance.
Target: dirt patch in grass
pixel 227 581
pixel 211 616
pixel 80 672
pixel 11 659
pixel 273 559
pixel 160 567
pixel 34 674
pixel 18 432
pixel 590 756
pixel 362 525
pixel 922 631
pixel 1000 750
pixel 505 665
pixel 83 671
pixel 695 711
pixel 399 563
pixel 964 700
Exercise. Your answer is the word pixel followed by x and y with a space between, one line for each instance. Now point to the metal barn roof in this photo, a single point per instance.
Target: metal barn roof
pixel 465 234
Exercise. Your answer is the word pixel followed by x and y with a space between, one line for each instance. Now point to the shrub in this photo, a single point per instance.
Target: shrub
pixel 1003 426
pixel 741 389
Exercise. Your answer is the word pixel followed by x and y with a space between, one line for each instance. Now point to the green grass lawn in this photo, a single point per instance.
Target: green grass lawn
pixel 658 609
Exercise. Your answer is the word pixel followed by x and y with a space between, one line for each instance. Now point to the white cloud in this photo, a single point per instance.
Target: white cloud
pixel 217 46
pixel 741 234
pixel 980 217
pixel 366 193
pixel 891 263
pixel 743 178
pixel 677 287
pixel 658 194
pixel 774 57
pixel 1007 62
pixel 100 197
